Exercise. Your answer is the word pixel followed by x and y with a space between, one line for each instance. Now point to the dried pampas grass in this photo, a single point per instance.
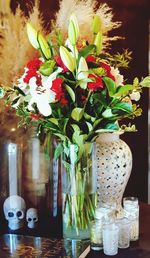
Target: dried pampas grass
pixel 85 11
pixel 15 48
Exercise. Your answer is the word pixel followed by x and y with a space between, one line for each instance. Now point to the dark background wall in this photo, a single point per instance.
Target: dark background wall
pixel 134 15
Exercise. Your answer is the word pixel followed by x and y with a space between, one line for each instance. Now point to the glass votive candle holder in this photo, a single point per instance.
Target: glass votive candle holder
pixel 96 240
pixel 112 209
pixel 124 232
pixel 102 215
pixel 131 212
pixel 110 239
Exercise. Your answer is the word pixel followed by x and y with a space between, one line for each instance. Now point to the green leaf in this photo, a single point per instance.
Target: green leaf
pixel 76 127
pixel 108 113
pixel 124 106
pixel 58 151
pixel 124 90
pixel 47 68
pixel 146 82
pixel 112 126
pixel 62 137
pixel 105 130
pixel 71 92
pixel 77 114
pixel 111 86
pixel 19 90
pixel 90 127
pixel 96 123
pixel 86 51
pixel 53 120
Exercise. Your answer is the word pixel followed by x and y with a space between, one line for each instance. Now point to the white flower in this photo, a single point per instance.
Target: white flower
pixel 118 77
pixel 73 49
pixel 43 95
pixel 135 95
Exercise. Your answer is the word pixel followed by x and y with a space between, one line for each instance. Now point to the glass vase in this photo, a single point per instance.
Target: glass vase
pixel 79 179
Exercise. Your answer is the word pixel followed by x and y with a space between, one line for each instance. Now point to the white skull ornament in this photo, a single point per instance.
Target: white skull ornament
pixel 32 217
pixel 14 209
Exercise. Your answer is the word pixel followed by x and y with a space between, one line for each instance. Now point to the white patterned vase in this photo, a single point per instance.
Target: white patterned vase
pixel 114 164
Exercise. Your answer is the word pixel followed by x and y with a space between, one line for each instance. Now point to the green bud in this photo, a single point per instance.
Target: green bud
pixel 44 46
pixel 98 42
pixel 32 36
pixel 96 24
pixel 47 67
pixel 67 58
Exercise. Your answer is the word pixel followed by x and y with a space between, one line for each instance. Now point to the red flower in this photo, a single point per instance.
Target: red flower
pixel 97 82
pixel 90 59
pixel 107 69
pixel 30 74
pixel 64 101
pixel 34 116
pixel 57 88
pixel 34 64
pixel 60 63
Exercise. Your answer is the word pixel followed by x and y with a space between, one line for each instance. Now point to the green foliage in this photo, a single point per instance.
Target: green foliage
pixel 120 60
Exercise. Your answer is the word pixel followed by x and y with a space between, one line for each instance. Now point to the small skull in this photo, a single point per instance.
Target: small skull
pixel 14 209
pixel 32 217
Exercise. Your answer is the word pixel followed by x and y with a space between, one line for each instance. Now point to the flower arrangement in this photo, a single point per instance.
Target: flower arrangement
pixel 75 91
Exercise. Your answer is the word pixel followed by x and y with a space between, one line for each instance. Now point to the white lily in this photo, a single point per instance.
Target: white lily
pixel 118 77
pixel 73 49
pixel 82 72
pixel 43 95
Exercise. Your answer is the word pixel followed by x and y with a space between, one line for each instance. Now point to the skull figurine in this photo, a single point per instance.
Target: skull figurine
pixel 14 209
pixel 32 217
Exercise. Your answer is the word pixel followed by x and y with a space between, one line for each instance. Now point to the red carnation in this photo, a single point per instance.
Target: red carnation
pixel 30 74
pixel 107 69
pixel 57 87
pixel 60 63
pixel 97 82
pixel 64 101
pixel 34 64
pixel 34 116
pixel 90 59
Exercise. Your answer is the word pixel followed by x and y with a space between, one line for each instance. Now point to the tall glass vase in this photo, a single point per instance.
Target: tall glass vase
pixel 78 190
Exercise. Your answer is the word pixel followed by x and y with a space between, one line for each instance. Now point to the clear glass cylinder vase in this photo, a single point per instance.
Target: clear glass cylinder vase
pixel 79 180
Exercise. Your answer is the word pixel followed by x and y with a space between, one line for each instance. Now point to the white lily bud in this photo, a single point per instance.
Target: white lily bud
pixel 82 72
pixel 32 35
pixel 67 58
